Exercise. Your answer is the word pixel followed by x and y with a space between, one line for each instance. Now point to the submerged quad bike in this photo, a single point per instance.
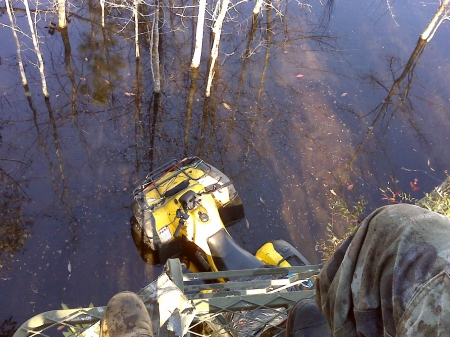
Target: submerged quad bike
pixel 182 209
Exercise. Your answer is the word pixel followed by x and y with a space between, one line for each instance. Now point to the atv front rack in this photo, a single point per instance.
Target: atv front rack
pixel 253 302
pixel 178 166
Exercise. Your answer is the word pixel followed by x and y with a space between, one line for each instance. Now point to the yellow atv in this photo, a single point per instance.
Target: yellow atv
pixel 182 209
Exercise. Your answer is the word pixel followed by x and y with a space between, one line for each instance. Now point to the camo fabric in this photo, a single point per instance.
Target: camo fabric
pixel 390 277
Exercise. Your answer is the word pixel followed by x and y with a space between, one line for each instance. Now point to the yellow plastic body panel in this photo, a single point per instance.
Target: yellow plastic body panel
pixel 268 255
pixel 194 229
pixel 199 231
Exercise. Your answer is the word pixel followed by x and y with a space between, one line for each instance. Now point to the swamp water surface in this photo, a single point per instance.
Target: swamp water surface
pixel 309 102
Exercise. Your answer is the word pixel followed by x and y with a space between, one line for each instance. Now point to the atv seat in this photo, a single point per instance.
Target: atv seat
pixel 228 255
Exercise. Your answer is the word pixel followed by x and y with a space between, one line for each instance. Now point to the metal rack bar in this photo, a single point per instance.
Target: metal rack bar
pixel 226 309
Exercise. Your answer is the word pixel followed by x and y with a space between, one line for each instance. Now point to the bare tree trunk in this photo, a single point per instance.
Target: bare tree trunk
pixel 436 21
pixel 36 48
pixel 217 30
pixel 102 4
pixel 62 22
pixel 136 26
pixel 154 45
pixel 19 57
pixel 199 35
pixel 257 7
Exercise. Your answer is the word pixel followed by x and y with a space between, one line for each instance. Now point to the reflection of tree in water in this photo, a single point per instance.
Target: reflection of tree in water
pixel 8 327
pixel 14 223
pixel 104 65
pixel 401 84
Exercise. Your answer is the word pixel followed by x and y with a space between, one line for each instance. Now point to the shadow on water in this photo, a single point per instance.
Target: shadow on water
pixel 148 255
pixel 305 106
pixel 8 327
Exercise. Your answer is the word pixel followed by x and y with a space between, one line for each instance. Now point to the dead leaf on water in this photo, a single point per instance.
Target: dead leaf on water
pixel 333 192
pixel 263 201
pixel 129 94
pixel 226 106
pixel 300 75
pixel 415 184
pixel 344 94
pixel 429 165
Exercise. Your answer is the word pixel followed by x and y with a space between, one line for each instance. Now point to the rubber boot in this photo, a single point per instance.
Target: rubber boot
pixel 126 316
pixel 306 320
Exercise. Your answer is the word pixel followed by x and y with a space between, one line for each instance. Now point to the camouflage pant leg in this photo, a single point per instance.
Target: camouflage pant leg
pixel 390 277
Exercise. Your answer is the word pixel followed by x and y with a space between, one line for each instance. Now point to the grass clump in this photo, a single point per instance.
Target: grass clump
pixel 344 217
pixel 348 217
pixel 437 200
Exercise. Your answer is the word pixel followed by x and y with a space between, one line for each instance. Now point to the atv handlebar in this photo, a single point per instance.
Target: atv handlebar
pixel 214 187
pixel 190 200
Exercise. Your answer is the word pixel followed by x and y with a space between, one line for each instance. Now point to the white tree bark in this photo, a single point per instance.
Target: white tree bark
pixel 62 22
pixel 155 52
pixel 199 35
pixel 257 7
pixel 36 48
pixel 436 21
pixel 102 4
pixel 136 26
pixel 217 30
pixel 19 57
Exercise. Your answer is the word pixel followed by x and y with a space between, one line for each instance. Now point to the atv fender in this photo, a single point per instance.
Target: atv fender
pixel 281 254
